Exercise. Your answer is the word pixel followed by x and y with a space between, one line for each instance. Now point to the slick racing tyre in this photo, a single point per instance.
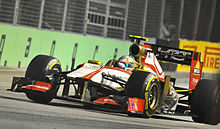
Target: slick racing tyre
pixel 205 103
pixel 144 85
pixel 41 68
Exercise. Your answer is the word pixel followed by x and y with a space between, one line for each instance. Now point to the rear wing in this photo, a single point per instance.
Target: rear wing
pixel 169 54
pixel 173 55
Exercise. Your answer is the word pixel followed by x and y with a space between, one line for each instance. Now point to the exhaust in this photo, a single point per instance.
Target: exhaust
pixel 137 50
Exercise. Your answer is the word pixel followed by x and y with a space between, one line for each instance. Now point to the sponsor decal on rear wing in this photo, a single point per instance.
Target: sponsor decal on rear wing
pixel 173 55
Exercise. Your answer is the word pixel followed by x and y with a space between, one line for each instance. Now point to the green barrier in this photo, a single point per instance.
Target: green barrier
pixel 18 45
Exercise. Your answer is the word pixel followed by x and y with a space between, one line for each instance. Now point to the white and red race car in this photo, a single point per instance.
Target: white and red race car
pixel 135 83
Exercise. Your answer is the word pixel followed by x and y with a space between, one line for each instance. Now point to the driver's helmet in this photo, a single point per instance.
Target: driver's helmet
pixel 127 63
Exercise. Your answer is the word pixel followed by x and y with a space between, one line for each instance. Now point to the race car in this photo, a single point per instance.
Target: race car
pixel 136 83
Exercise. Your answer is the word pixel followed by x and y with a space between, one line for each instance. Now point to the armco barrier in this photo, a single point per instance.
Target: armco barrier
pixel 18 45
pixel 210 55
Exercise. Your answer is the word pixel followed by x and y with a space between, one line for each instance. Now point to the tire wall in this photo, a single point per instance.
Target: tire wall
pixel 18 45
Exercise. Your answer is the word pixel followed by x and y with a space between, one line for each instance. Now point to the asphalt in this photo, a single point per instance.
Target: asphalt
pixel 16 111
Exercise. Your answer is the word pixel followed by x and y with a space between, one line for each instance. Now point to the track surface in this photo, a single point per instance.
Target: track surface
pixel 16 111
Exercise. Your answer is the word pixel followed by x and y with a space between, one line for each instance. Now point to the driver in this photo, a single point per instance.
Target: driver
pixel 127 63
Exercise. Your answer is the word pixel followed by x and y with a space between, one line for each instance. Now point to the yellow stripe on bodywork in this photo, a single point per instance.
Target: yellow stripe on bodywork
pixel 139 37
pixel 183 90
pixel 142 70
pixel 119 88
pixel 54 64
pixel 95 62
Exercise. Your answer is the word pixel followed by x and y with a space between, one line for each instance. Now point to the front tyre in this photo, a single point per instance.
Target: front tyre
pixel 144 85
pixel 42 68
pixel 205 103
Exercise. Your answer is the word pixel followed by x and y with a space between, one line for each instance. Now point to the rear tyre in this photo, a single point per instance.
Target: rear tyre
pixel 205 104
pixel 144 85
pixel 38 70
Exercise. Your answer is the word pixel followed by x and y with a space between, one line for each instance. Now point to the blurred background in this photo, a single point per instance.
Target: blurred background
pixel 164 19
pixel 77 30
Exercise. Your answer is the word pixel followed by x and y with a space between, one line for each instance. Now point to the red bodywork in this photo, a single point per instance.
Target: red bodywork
pixel 106 100
pixel 136 105
pixel 195 70
pixel 38 86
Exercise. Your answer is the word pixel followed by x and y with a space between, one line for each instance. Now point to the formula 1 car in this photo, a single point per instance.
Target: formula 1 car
pixel 136 83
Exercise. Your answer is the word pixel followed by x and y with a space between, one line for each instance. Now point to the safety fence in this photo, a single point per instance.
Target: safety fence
pixel 164 19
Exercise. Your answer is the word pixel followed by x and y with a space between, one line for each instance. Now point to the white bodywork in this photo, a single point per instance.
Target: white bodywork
pixel 88 68
pixel 95 72
pixel 152 60
pixel 112 72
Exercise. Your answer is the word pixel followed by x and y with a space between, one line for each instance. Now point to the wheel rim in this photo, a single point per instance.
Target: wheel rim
pixel 54 81
pixel 153 96
pixel 50 77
